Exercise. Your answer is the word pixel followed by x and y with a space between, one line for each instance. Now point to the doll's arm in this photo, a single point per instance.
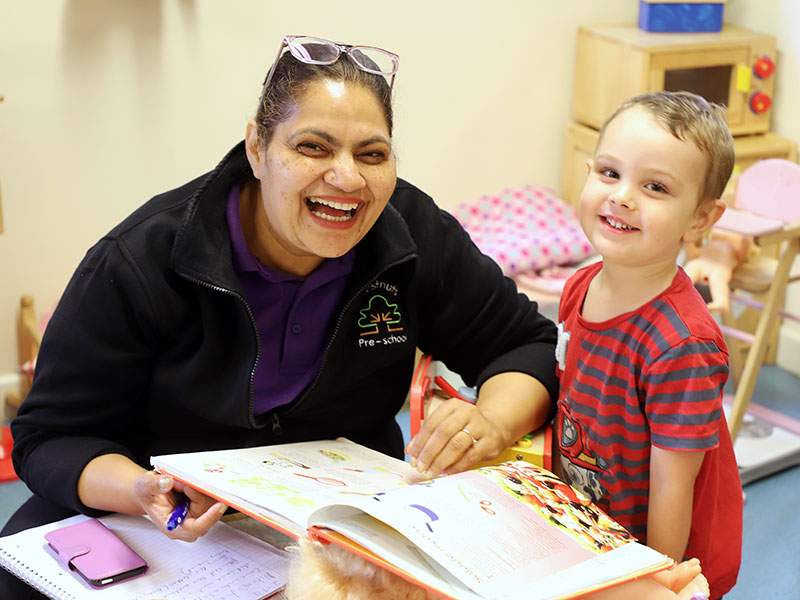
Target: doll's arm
pixel 715 263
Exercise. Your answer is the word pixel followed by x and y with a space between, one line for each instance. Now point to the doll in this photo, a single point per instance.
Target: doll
pixel 327 571
pixel 715 262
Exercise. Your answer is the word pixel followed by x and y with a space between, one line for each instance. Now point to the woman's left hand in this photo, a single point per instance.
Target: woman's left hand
pixel 455 437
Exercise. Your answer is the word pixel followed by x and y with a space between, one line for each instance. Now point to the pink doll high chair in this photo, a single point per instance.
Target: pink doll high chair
pixel 767 210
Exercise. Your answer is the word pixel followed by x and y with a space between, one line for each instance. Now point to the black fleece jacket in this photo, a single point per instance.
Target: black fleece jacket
pixel 152 348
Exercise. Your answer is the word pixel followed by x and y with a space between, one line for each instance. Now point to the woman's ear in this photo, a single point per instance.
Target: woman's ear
pixel 253 148
pixel 705 215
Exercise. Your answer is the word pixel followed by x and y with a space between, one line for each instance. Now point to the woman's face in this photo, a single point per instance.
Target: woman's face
pixel 325 177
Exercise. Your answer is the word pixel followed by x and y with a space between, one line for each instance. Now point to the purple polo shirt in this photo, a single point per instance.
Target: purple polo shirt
pixel 294 316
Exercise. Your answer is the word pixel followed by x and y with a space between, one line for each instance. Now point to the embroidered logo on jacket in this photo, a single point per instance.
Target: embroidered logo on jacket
pixel 380 322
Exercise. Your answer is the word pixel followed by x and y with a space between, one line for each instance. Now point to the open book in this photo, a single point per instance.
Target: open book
pixel 487 533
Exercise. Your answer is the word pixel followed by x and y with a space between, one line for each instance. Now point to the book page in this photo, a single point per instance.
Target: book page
pixel 502 529
pixel 289 481
pixel 223 564
pixel 375 535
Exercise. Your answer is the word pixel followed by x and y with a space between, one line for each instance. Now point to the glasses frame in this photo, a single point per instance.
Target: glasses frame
pixel 347 49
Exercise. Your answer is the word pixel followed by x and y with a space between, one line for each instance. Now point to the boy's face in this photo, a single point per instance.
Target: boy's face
pixel 641 196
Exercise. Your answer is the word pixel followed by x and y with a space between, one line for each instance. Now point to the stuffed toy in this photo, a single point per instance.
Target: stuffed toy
pixel 326 571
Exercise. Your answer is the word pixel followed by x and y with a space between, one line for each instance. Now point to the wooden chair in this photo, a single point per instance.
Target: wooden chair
pixel 767 211
pixel 29 337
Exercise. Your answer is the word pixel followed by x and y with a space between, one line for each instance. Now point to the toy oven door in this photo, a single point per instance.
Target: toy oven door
pixel 709 73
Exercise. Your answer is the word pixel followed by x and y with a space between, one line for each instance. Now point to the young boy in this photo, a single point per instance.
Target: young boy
pixel 642 363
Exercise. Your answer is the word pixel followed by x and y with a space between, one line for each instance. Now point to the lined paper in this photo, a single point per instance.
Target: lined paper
pixel 224 564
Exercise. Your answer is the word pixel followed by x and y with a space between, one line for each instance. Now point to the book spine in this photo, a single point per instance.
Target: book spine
pixel 22 571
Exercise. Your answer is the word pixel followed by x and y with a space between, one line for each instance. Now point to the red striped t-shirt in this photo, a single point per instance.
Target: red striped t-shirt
pixel 653 376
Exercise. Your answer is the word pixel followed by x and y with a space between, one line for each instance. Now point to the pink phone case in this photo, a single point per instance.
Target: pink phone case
pixel 94 551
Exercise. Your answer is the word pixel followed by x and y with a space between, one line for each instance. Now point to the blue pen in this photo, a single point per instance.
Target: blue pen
pixel 178 513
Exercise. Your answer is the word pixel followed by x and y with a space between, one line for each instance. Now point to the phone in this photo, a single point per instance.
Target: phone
pixel 95 552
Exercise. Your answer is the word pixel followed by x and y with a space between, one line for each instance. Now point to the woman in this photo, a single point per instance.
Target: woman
pixel 278 298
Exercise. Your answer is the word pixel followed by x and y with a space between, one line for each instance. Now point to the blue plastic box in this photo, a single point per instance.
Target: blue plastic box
pixel 680 16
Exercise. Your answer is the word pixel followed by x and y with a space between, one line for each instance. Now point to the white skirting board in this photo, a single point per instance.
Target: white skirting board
pixel 768 442
pixel 788 357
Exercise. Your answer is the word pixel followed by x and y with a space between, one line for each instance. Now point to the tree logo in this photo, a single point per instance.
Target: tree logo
pixel 380 316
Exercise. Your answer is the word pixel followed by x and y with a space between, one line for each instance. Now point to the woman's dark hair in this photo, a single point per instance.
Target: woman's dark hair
pixel 292 78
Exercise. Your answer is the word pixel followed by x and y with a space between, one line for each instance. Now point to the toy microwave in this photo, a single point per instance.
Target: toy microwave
pixel 733 67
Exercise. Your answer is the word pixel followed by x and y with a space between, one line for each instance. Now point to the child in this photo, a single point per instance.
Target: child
pixel 642 363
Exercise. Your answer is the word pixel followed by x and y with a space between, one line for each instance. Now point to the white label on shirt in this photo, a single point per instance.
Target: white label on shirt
pixel 561 346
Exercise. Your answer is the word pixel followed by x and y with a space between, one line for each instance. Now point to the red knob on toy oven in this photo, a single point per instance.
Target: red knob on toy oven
pixel 760 103
pixel 763 67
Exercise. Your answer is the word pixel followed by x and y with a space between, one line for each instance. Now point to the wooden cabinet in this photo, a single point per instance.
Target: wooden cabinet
pixel 734 67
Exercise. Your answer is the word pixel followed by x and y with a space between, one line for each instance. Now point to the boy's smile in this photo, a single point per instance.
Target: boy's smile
pixel 617 225
pixel 642 193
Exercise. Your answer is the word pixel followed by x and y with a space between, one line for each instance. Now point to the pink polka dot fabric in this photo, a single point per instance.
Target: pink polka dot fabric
pixel 525 229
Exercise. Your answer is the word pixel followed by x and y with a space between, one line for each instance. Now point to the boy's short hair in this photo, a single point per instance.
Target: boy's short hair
pixel 690 117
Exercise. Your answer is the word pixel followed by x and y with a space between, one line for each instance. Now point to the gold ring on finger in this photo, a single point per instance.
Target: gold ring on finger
pixel 472 437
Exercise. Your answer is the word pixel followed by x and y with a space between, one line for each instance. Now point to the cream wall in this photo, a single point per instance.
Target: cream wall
pixel 108 103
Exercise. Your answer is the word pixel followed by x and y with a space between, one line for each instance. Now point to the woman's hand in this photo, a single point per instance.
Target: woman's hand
pixel 155 494
pixel 455 437
pixel 115 483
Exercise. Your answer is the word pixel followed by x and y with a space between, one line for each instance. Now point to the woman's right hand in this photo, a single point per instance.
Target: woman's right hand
pixel 157 496
pixel 115 483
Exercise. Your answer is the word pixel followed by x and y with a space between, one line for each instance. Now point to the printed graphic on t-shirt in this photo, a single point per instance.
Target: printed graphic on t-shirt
pixel 582 466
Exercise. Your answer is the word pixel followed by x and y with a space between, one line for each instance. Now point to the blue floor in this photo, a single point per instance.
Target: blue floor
pixel 771 555
pixel 771 552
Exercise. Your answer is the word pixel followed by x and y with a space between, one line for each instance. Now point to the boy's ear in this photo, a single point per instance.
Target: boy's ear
pixel 705 215
pixel 589 165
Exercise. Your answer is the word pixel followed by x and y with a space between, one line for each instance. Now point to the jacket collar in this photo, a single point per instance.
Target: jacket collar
pixel 202 247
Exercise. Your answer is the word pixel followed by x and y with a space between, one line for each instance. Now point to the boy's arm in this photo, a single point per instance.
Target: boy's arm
pixel 669 514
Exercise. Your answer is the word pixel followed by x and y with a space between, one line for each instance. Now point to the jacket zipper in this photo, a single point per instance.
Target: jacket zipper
pixel 276 424
pixel 333 335
pixel 276 427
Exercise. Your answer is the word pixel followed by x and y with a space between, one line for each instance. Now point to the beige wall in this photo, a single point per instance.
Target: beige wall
pixel 108 103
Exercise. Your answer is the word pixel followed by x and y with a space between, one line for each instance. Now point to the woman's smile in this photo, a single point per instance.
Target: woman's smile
pixel 338 212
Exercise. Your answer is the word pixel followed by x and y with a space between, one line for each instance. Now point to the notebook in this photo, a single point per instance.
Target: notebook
pixel 225 563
